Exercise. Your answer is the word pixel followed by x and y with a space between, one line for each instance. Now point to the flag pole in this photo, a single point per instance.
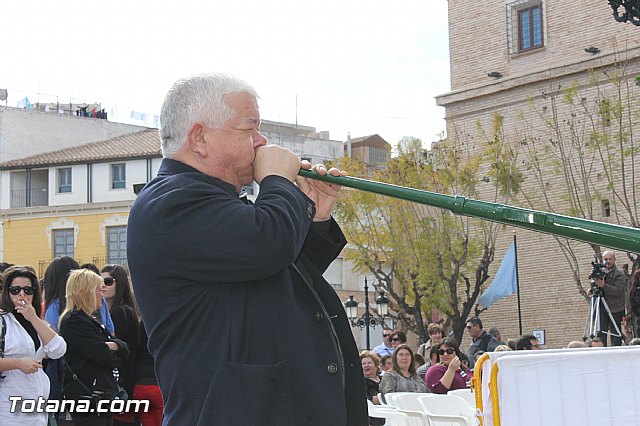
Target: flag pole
pixel 515 252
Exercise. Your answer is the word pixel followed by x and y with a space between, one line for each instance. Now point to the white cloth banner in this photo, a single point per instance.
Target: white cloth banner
pixel 591 386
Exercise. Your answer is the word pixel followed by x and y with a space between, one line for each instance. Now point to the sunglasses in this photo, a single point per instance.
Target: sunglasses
pixel 449 351
pixel 386 335
pixel 15 290
pixel 108 281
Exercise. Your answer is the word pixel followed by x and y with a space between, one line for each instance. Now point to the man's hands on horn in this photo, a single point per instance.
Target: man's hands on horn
pixel 323 194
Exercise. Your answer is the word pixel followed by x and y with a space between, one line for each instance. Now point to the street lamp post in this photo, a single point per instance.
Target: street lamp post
pixel 626 11
pixel 367 320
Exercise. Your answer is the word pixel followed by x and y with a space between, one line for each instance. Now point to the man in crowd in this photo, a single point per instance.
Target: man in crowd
pixel 480 339
pixel 527 342
pixel 384 348
pixel 496 335
pixel 243 328
pixel 613 287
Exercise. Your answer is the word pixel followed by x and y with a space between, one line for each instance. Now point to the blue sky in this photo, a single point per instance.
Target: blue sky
pixel 354 66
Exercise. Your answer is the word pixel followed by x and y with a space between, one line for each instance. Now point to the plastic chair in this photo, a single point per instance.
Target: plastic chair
pixel 407 402
pixel 392 416
pixel 447 410
pixel 390 397
pixel 465 394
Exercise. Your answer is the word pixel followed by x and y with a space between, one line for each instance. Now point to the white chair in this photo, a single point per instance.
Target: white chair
pixel 402 401
pixel 465 394
pixel 392 416
pixel 447 410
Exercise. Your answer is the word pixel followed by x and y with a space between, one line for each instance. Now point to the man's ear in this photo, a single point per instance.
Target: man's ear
pixel 196 139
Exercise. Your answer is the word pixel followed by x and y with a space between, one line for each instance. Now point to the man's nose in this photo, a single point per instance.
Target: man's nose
pixel 259 139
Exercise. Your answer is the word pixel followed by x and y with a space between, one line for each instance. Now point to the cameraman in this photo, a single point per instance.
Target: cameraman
pixel 613 287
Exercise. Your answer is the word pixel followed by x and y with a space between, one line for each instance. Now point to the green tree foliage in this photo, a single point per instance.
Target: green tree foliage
pixel 424 258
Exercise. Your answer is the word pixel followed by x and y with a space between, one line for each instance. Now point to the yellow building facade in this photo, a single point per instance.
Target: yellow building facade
pixel 30 240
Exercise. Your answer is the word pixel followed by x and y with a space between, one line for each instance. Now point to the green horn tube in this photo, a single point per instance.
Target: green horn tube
pixel 604 234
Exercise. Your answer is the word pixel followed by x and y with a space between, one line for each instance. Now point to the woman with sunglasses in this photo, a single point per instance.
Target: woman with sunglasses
pixel 397 338
pixel 403 377
pixel 449 373
pixel 28 339
pixel 116 289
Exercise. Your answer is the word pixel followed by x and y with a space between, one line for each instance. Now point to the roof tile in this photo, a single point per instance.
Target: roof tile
pixel 142 144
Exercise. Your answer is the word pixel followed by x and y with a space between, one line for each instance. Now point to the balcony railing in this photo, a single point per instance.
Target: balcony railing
pixel 37 197
pixel 101 261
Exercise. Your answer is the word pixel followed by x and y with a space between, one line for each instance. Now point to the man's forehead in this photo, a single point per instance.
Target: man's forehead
pixel 243 103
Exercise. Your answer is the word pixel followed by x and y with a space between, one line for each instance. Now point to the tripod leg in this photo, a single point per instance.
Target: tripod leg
pixel 591 327
pixel 607 320
pixel 596 317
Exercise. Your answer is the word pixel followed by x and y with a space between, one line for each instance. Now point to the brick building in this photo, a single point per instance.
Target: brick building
pixel 532 72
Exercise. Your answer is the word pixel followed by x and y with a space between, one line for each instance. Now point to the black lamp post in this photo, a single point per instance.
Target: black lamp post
pixel 366 320
pixel 626 11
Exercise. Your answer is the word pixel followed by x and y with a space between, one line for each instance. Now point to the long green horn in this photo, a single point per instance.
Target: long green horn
pixel 604 234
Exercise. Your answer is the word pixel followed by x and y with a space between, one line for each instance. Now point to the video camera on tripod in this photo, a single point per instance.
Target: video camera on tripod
pixel 598 271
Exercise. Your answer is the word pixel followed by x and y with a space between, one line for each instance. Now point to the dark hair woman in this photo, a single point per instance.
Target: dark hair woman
pixel 449 373
pixel 397 338
pixel 403 377
pixel 117 290
pixel 55 283
pixel 27 340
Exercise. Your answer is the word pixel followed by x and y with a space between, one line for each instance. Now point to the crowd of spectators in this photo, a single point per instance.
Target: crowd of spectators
pixel 80 322
pixel 439 365
pixel 73 335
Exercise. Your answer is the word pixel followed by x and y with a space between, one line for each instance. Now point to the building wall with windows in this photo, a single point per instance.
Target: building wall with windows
pixel 486 38
pixel 35 239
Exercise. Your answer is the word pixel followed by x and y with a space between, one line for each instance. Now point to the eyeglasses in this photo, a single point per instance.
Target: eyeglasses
pixel 108 281
pixel 396 339
pixel 449 351
pixel 15 290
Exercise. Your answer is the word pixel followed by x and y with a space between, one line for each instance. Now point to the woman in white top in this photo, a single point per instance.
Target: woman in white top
pixel 27 340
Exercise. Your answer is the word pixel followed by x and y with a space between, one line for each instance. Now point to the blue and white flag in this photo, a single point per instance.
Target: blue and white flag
pixel 504 283
pixel 24 103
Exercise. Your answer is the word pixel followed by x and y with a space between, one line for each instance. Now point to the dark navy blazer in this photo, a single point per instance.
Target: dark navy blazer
pixel 243 327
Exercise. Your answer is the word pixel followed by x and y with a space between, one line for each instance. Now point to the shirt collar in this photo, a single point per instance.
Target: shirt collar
pixel 173 167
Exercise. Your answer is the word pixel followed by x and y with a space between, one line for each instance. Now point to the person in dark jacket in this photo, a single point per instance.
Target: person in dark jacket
pixel 613 286
pixel 92 353
pixel 243 327
pixel 117 291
